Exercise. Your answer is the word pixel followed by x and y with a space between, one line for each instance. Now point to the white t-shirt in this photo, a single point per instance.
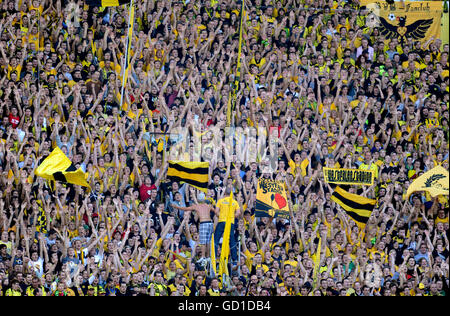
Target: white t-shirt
pixel 37 266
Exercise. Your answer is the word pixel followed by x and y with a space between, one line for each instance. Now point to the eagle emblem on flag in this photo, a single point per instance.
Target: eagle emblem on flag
pixel 416 30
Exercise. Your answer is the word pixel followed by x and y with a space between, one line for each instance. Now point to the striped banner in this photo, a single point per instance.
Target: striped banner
pixel 193 173
pixel 357 207
pixel 348 176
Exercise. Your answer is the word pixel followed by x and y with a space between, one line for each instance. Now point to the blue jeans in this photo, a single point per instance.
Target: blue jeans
pixel 218 233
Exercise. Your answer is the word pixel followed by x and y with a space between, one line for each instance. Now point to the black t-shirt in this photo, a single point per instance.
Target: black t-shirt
pixel 108 106
pixel 220 171
pixel 390 149
pixel 194 289
pixel 24 286
pixel 127 293
pixel 152 102
pixel 390 169
pixel 75 290
pixel 4 258
pixel 215 187
pixel 443 254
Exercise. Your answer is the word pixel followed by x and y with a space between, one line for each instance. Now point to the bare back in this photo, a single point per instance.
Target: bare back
pixel 203 211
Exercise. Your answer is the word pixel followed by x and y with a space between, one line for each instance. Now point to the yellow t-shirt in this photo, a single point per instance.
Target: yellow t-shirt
pixel 115 67
pixel 224 208
pixel 441 220
pixel 356 102
pixel 213 293
pixel 187 291
pixel 332 107
pixel 373 167
pixel 303 165
pixel 292 263
pixel 17 69
pixel 249 257
pixel 11 292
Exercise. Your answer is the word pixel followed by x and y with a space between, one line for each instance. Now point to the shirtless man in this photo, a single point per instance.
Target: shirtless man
pixel 206 228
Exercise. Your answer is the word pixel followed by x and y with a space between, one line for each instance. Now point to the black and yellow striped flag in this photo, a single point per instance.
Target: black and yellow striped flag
pixel 106 3
pixel 193 173
pixel 58 167
pixel 357 207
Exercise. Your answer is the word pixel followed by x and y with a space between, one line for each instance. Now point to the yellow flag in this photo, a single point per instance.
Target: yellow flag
pixel 419 20
pixel 225 252
pixel 229 109
pixel 213 256
pixel 434 182
pixel 58 167
pixel 271 199
pixel 304 164
pixel 317 259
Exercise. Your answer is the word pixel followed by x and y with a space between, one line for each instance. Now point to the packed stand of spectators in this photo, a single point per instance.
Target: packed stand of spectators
pixel 338 93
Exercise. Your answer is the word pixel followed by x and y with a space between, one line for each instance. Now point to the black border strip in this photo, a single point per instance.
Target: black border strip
pixel 353 204
pixel 203 185
pixel 196 170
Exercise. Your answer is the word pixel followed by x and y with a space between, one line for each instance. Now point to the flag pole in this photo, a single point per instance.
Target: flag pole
pixel 129 37
pixel 235 86
pixel 239 256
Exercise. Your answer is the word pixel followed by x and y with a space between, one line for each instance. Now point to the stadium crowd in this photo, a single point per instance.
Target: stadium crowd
pixel 333 91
